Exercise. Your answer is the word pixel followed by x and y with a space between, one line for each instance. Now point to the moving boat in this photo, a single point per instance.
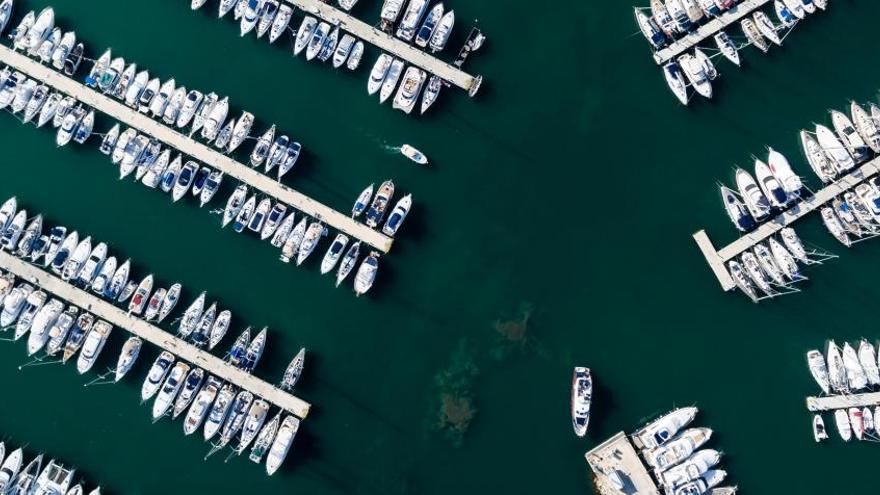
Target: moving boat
pixel 348 262
pixel 663 429
pixel 409 90
pixel 366 274
pixel 294 370
pixel 201 405
pixel 391 80
pixel 282 443
pixel 675 79
pixel 92 346
pixel 376 212
pixel 234 204
pixel 398 215
pixel 77 335
pixel 853 142
pixel 334 252
pixel 754 199
pixel 168 392
pixel 378 73
pixel 816 363
pixel 191 316
pixel 156 375
pixel 819 432
pixel 265 438
pixel 581 398
pixel 130 351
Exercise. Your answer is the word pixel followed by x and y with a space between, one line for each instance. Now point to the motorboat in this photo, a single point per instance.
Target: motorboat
pixel 769 185
pixel 366 274
pixel 862 212
pixel 818 159
pixel 391 80
pixel 219 410
pixel 156 375
pixel 691 469
pixel 409 90
pixel 263 146
pixel 161 99
pixel 125 79
pixel 819 432
pixel 818 369
pixel 219 328
pixel 406 30
pixel 252 423
pixel 215 119
pixel 432 90
pixel 678 449
pixel 348 262
pixel 258 219
pixel 282 443
pixel 201 405
pixel 23 95
pixel 119 150
pixel 343 49
pixel 38 98
pixel 753 34
pixel 60 329
pixel 42 322
pixel 316 43
pixel 20 32
pixel 212 185
pixel 13 232
pixel 442 32
pixel 234 204
pixel 376 211
pixel 40 30
pixel 169 301
pixel 184 180
pixel 244 215
pixel 64 107
pixel 202 332
pixel 267 16
pixel 154 304
pixel 92 346
pixel 192 384
pixel 390 12
pixel 868 360
pixel 77 335
pixel 152 176
pixel 766 27
pixel 168 392
pixel 781 170
pixel 130 352
pixel 199 180
pixel 108 79
pixel 73 59
pixel 276 216
pixel 692 10
pixel 190 319
pixel 855 375
pixel 847 217
pixel 304 34
pixel 840 157
pixel 175 104
pixel 24 483
pixel 832 223
pixel 796 7
pixel 29 236
pixel 784 14
pixel 581 397
pixel 397 216
pixel 141 295
pixel 676 80
pixel 293 241
pixel 265 438
pixel 870 198
pixel 109 140
pixel 768 263
pixel 868 419
pixel 283 231
pixel 277 152
pixel 328 46
pixel 844 429
pixel 660 431
pixel 311 239
pixel 280 23
pixel 241 131
pixel 190 106
pixel 77 259
pixel 856 420
pixel 224 135
pixel 363 200
pixel 294 370
pixel 47 111
pixel 169 176
pixel 198 121
pixel 251 15
pixel 10 468
pixel 836 369
pixel 238 350
pixel 14 303
pixel 225 6
pixel 136 88
pixel 10 88
pixel 92 266
pixel 291 155
pixel 334 253
pixel 755 201
pixel 851 139
pixel 423 36
pixel 784 260
pixel 695 74
pixel 650 30
pixel 69 126
pixel 867 127
pixel 379 72
pixel 237 415
pixel 254 352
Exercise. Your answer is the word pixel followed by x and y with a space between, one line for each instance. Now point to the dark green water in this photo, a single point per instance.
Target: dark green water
pixel 567 191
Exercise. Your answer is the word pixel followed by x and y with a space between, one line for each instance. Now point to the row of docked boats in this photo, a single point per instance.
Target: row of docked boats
pixel 203 113
pixel 773 188
pixel 697 71
pixel 37 36
pixel 845 370
pixel 675 453
pixel 36 103
pixel 416 23
pixel 761 270
pixel 298 236
pixel 38 476
pixel 388 71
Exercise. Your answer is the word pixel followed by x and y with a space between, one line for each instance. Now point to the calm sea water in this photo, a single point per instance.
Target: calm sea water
pixel 563 197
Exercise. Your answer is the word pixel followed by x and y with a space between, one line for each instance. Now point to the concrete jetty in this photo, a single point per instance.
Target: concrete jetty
pixel 152 334
pixel 195 149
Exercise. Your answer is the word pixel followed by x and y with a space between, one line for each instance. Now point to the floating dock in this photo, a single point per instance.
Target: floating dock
pixel 718 259
pixel 614 462
pixel 832 402
pixel 707 30
pixel 154 335
pixel 388 43
pixel 195 149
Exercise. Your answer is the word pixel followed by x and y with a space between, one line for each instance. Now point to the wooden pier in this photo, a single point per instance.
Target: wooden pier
pixel 388 43
pixel 152 334
pixel 707 30
pixel 832 402
pixel 617 457
pixel 195 149
pixel 718 259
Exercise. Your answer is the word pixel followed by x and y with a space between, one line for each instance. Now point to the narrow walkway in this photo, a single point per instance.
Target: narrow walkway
pixel 717 259
pixel 831 402
pixel 707 30
pixel 388 43
pixel 152 334
pixel 195 149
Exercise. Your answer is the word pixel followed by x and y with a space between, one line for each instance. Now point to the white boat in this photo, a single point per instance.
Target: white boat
pixel 154 304
pixel 201 114
pixel 47 111
pixel 267 17
pixel 219 410
pixel 754 34
pixel 245 214
pixel 210 188
pixel 251 15
pixel 695 74
pixel 40 30
pixel 14 303
pixel 192 384
pixel 855 374
pixel 265 438
pixel 201 405
pixel 10 468
pixel 234 204
pixel 224 135
pixel 258 219
pixel 280 23
pixel 241 131
pixel 316 43
pixel 819 432
pixel 441 33
pixel 390 12
pixel 678 449
pixel 784 260
pixel 378 73
pixel 851 139
pixel 816 363
pixel 237 416
pixel 844 429
pixel 366 274
pixel 754 199
pixel 363 201
pixel 423 35
pixel 832 223
pixel 796 7
pixel 42 321
pixel 741 279
pixel 784 14
pixel 406 30
pixel 215 118
pixel 225 6
pixel 836 369
pixel 868 360
pixel 769 185
pixel 663 429
pixel 782 171
pixel 409 90
pixel 581 398
pixel 202 332
pixel 766 27
pixel 391 80
pixel 348 262
pixel 294 370
pixel 77 258
pixel 676 80
pixel 818 159
pixel 252 424
pixel 867 127
pixel 856 420
pixel 310 241
pixel 173 382
pixel 190 106
pixel 141 295
pixel 105 275
pixel 692 469
pixel 840 157
pixel 156 375
pixel 92 346
pixel 354 57
pixel 184 180
pixel 768 263
pixel 191 316
pixel 343 49
pixel 283 230
pixel 92 265
pixel 304 34
pixel 219 328
pixel 263 147
pixel 398 215
pixel 334 253
pixel 128 356
pixel 38 98
pixel 273 221
pixel 60 329
pixel 432 90
pixel 282 443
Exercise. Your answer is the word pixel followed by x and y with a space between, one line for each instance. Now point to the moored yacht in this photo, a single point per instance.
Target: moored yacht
pixel 77 335
pixel 170 388
pixel 92 346
pixel 391 80
pixel 156 375
pixel 348 262
pixel 201 405
pixel 282 443
pixel 847 133
pixel 676 80
pixel 376 211
pixel 409 90
pixel 192 384
pixel 366 274
pixel 754 199
pixel 378 73
pixel 127 357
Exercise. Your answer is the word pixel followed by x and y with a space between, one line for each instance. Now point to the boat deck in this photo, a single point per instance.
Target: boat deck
pixel 707 30
pixel 718 259
pixel 832 402
pixel 152 334
pixel 195 149
pixel 388 43
pixel 617 454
